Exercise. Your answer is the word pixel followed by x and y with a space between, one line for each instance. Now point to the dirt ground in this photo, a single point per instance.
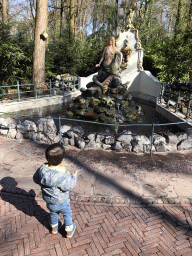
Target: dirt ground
pixel 104 175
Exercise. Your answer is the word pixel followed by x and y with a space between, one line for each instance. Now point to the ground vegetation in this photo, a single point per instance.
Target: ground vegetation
pixel 78 30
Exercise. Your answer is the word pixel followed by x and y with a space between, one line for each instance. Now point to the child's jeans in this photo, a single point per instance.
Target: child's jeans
pixel 64 209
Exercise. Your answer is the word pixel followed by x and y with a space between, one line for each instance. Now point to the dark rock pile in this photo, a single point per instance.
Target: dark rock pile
pixel 104 103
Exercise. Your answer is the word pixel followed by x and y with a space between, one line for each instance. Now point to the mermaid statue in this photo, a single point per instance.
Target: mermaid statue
pixel 111 61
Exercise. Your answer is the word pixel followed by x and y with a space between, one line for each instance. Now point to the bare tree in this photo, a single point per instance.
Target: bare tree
pixel 179 17
pixel 61 16
pixel 40 41
pixel 4 11
pixel 189 21
pixel 71 20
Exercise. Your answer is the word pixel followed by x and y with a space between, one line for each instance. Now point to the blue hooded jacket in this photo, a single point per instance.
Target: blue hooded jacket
pixel 55 182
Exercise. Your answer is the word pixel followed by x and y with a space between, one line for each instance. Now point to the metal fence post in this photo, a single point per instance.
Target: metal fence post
pixel 79 86
pixel 74 81
pixel 178 97
pixel 50 87
pixel 18 92
pixel 189 105
pixel 35 90
pixel 68 85
pixel 59 129
pixel 151 150
pixel 117 119
pixel 62 85
pixel 169 96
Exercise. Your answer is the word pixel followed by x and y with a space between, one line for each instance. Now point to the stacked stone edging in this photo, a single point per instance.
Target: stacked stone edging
pixel 101 199
pixel 45 131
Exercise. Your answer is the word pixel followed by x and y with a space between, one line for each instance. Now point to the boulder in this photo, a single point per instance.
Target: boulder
pixel 30 136
pixel 26 126
pixel 106 146
pixel 148 148
pixel 30 126
pixel 170 137
pixel 42 138
pixel 94 102
pixel 158 139
pixel 109 140
pixel 46 125
pixel 2 120
pixel 140 143
pixel 71 134
pixel 4 132
pixel 64 129
pixel 9 123
pixel 65 141
pixel 181 136
pixel 19 136
pixel 185 144
pixel 21 128
pixel 159 143
pixel 171 147
pixel 92 144
pixel 78 130
pixel 127 147
pixel 57 139
pixel 160 147
pixel 11 133
pixel 116 146
pixel 99 138
pixel 91 137
pixel 79 142
pixel 71 141
pixel 125 137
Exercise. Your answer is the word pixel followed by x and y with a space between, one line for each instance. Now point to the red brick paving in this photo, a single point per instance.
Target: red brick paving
pixel 102 229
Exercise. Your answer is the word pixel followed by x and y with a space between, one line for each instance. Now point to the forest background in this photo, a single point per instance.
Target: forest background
pixel 78 31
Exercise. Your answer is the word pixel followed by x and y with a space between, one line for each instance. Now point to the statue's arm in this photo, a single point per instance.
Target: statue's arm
pixel 101 60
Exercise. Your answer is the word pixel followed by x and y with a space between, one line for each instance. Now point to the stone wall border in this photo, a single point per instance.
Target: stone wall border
pixel 45 131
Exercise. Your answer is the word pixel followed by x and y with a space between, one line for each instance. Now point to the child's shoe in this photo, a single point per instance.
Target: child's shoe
pixel 70 230
pixel 56 227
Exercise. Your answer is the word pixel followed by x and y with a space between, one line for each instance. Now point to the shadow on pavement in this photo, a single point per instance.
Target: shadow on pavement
pixel 161 212
pixel 17 197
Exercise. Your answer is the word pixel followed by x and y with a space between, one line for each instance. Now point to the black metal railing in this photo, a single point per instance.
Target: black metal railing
pixel 177 94
pixel 20 92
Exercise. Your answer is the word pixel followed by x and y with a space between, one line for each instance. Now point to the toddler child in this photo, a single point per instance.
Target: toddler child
pixel 56 182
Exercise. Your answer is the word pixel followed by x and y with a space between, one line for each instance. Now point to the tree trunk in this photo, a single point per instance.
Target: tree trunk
pixel 170 25
pixel 146 7
pixel 189 22
pixel 61 17
pixel 95 18
pixel 39 42
pixel 31 3
pixel 80 19
pixel 4 11
pixel 84 20
pixel 178 18
pixel 150 13
pixel 71 20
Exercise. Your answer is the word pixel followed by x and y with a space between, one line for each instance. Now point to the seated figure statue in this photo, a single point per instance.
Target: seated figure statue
pixel 111 60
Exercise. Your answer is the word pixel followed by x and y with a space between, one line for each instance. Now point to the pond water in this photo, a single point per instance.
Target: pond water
pixel 149 116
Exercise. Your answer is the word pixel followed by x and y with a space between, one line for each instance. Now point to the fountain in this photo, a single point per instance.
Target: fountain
pixel 105 97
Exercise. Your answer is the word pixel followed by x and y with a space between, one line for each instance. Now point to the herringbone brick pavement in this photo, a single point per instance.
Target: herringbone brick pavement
pixel 102 229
